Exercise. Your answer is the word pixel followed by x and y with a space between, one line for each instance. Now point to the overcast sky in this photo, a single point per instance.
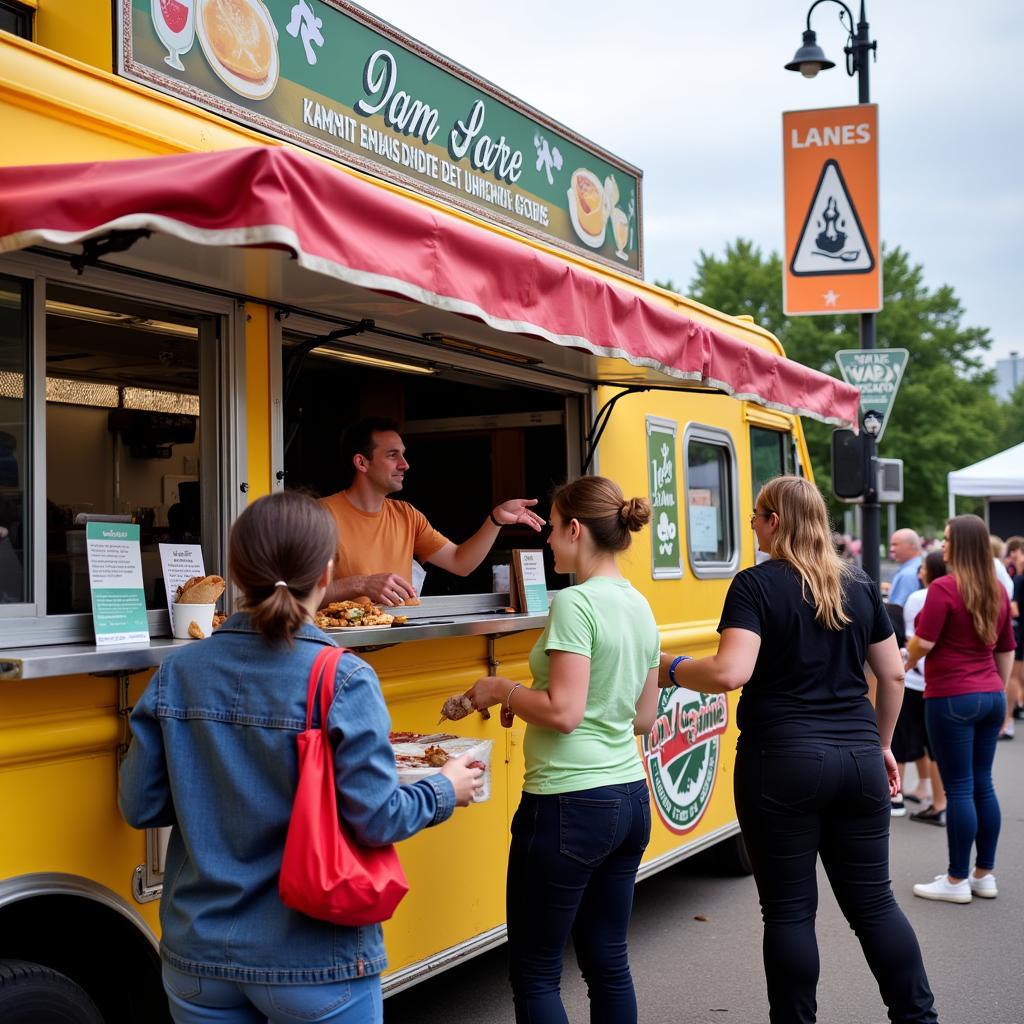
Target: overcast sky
pixel 692 93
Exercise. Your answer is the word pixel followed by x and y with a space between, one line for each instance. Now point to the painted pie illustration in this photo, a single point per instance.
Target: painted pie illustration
pixel 239 37
pixel 589 197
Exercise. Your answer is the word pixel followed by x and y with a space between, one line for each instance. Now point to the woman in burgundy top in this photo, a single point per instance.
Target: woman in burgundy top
pixel 966 631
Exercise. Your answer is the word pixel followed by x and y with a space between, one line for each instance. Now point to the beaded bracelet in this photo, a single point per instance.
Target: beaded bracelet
pixel 675 664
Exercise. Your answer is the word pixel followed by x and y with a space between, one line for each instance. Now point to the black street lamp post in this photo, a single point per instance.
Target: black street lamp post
pixel 809 60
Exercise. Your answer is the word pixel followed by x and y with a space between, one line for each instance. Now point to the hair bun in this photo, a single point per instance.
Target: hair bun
pixel 635 514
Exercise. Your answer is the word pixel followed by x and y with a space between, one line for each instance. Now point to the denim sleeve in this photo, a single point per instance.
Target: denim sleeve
pixel 144 794
pixel 370 799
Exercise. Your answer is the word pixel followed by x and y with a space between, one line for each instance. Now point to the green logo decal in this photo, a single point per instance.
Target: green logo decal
pixel 681 754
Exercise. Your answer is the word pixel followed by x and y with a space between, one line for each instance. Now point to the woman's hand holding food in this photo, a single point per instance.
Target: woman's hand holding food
pixel 488 691
pixel 467 782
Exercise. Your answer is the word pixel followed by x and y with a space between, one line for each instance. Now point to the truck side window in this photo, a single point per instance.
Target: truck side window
pixel 15 461
pixel 16 18
pixel 711 502
pixel 771 455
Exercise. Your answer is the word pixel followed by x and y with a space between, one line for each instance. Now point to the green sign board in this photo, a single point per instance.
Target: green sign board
pixel 876 373
pixel 329 76
pixel 666 553
pixel 115 580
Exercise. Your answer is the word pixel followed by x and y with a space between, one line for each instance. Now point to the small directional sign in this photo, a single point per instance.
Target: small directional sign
pixel 876 373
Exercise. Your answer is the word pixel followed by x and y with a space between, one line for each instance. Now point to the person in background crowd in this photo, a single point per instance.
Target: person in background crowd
pixel 911 737
pixel 214 755
pixel 965 629
pixel 998 551
pixel 905 549
pixel 584 819
pixel 814 773
pixel 1015 687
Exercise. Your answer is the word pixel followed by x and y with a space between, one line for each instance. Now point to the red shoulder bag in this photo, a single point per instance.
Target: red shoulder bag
pixel 325 873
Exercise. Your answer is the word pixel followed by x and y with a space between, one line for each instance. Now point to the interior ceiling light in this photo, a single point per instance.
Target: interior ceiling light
pixel 482 350
pixel 375 361
pixel 93 394
pixel 106 316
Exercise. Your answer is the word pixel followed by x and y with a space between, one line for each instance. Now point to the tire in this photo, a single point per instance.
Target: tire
pixel 731 857
pixel 33 994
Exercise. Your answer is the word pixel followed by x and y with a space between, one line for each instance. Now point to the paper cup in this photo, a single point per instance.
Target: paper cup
pixel 184 614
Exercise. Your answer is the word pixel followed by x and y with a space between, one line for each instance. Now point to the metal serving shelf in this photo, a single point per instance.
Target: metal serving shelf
pixel 427 622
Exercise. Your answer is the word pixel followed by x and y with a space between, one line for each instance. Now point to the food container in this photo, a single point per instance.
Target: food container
pixel 410 750
pixel 183 615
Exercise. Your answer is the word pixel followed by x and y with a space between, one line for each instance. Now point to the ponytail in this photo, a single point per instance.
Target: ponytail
pixel 598 503
pixel 277 552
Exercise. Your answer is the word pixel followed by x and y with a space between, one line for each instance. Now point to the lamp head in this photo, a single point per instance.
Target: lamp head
pixel 872 423
pixel 810 58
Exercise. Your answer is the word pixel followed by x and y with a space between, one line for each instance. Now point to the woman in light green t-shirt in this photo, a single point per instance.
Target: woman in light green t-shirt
pixel 584 820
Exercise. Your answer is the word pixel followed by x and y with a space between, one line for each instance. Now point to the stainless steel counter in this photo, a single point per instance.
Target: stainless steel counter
pixel 429 624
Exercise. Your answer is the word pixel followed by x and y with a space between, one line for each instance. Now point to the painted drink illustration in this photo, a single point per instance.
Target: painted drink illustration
pixel 175 24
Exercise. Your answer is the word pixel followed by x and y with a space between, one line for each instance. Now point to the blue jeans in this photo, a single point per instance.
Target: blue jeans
pixel 801 800
pixel 571 870
pixel 195 1000
pixel 962 733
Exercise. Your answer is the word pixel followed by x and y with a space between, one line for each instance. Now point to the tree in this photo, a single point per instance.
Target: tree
pixel 944 416
pixel 1012 430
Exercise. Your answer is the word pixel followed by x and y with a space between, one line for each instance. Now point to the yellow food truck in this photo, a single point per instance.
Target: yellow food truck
pixel 213 258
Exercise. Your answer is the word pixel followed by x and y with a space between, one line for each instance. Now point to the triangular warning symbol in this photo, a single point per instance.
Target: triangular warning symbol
pixel 832 240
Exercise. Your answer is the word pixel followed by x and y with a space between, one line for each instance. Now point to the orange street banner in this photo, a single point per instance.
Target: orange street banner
pixel 833 259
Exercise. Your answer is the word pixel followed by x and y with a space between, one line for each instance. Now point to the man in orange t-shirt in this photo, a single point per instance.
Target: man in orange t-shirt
pixel 378 539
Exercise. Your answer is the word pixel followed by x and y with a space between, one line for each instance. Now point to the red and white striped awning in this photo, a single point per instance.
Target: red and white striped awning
pixel 337 225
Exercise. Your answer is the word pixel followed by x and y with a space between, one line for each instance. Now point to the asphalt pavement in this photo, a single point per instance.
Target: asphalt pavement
pixel 695 944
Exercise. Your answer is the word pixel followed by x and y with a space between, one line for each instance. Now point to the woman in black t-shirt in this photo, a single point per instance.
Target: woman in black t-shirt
pixel 814 772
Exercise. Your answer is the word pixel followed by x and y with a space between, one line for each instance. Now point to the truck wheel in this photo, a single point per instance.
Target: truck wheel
pixel 731 857
pixel 33 994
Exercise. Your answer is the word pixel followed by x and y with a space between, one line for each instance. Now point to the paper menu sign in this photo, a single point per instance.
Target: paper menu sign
pixel 115 582
pixel 528 587
pixel 180 562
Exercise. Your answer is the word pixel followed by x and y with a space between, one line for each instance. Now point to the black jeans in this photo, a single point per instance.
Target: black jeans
pixel 806 798
pixel 571 869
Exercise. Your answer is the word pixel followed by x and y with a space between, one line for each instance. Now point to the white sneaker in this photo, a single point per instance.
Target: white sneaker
pixel 985 887
pixel 943 889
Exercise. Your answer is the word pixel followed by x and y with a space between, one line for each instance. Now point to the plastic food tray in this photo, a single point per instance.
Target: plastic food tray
pixel 453 746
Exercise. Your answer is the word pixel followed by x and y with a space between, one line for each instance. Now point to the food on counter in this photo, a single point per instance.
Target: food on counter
pixel 352 614
pixel 195 631
pixel 200 590
pixel 239 37
pixel 219 618
pixel 455 708
pixel 399 620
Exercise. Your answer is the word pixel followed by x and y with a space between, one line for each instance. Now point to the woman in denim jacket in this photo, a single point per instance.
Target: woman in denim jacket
pixel 214 755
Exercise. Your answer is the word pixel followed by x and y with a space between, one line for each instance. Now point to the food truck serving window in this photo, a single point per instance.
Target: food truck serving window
pixel 472 440
pixel 104 400
pixel 712 513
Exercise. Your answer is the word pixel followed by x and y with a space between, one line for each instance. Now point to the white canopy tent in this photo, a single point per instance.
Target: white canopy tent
pixel 1000 476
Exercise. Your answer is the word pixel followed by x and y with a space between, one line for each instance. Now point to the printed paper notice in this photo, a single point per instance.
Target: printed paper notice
pixel 703 528
pixel 180 563
pixel 535 586
pixel 115 580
